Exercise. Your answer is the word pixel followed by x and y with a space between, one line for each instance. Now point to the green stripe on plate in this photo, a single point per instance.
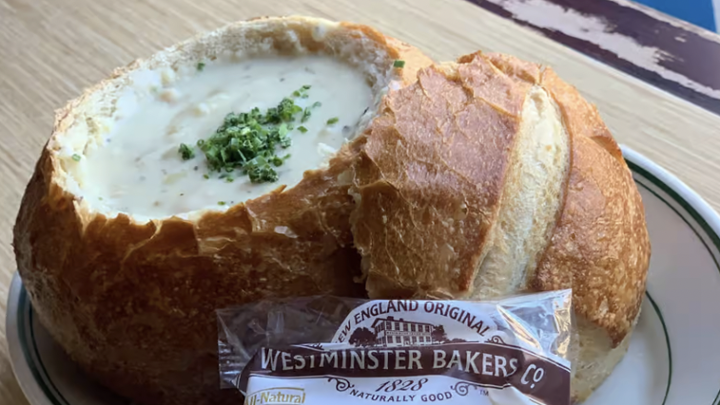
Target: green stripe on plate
pixel 667 342
pixel 25 316
pixel 707 229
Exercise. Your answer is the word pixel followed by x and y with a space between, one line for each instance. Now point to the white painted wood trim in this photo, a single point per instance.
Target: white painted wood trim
pixel 716 10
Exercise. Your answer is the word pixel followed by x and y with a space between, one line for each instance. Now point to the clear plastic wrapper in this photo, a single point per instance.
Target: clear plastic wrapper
pixel 324 349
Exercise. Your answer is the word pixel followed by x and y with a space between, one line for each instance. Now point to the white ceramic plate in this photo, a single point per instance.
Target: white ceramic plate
pixel 673 357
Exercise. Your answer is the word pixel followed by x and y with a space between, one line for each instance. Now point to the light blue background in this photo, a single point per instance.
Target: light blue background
pixel 698 12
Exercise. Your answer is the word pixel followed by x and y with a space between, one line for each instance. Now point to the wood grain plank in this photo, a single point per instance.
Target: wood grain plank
pixel 668 53
pixel 52 49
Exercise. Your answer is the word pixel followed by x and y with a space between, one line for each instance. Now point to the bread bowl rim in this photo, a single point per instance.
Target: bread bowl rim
pixel 189 49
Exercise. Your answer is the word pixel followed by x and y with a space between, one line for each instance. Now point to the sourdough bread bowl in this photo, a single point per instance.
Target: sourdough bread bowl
pixel 491 176
pixel 126 248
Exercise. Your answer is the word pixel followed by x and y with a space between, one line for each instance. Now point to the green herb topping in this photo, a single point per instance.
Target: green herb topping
pixel 186 152
pixel 399 63
pixel 302 92
pixel 249 140
pixel 76 157
pixel 333 120
pixel 200 66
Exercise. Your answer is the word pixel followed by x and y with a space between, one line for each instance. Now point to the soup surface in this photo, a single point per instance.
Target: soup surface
pixel 140 169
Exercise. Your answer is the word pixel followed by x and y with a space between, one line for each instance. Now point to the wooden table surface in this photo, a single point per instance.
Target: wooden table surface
pixel 655 98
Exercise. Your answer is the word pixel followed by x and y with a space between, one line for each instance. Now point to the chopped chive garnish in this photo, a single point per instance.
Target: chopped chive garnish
pixel 399 63
pixel 308 111
pixel 302 91
pixel 206 176
pixel 76 157
pixel 200 66
pixel 305 115
pixel 333 120
pixel 249 141
pixel 186 152
pixel 221 202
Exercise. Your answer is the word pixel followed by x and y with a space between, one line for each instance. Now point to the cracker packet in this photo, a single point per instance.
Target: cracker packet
pixel 319 350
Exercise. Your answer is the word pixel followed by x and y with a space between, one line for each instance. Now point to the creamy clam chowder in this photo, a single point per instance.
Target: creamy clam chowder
pixel 141 167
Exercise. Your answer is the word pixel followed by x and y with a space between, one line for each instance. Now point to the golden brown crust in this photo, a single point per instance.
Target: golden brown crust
pixel 512 66
pixel 600 246
pixel 134 303
pixel 413 58
pixel 428 187
pixel 581 117
pixel 430 177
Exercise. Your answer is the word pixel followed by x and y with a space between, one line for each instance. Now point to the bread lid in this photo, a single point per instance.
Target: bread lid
pixel 116 148
pixel 491 176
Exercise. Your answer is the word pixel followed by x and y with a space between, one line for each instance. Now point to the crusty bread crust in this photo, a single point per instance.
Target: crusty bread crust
pixel 133 302
pixel 427 192
pixel 601 241
pixel 435 175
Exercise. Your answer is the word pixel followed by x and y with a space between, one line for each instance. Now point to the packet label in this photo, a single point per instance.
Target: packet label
pixel 404 322
pixel 465 372
pixel 413 351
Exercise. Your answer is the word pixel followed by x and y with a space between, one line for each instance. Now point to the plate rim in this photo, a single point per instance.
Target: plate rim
pixel 699 209
pixel 704 216
pixel 19 362
pixel 36 390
